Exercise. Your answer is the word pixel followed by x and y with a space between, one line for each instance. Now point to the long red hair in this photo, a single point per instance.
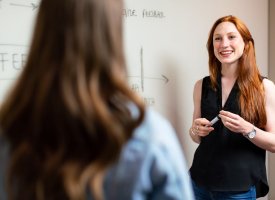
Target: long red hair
pixel 252 97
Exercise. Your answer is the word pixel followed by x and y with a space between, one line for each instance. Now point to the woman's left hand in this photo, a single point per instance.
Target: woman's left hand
pixel 235 123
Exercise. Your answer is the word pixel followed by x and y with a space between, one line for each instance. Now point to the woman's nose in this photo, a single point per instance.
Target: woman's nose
pixel 225 42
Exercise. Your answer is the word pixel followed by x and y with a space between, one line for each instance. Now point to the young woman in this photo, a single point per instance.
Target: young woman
pixel 229 162
pixel 71 128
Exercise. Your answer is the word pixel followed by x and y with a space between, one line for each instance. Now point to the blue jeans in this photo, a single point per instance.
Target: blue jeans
pixel 204 194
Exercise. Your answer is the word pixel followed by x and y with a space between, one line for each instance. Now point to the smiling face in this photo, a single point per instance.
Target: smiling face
pixel 228 43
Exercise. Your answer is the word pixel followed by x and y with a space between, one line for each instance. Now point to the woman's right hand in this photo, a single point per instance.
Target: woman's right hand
pixel 201 127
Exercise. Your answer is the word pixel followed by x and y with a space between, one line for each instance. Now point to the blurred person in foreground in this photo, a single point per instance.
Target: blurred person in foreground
pixel 71 128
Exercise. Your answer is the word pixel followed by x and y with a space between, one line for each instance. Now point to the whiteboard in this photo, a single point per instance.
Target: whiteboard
pixel 16 22
pixel 165 46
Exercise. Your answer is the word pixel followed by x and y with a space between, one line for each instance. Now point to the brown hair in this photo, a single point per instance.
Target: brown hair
pixel 68 115
pixel 251 99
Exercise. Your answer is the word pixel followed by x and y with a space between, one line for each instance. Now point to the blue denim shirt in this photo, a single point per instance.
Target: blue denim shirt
pixel 151 166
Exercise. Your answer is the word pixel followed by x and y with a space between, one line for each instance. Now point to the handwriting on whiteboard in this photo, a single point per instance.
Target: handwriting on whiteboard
pixel 145 13
pixel 12 60
pixel 140 81
pixel 26 4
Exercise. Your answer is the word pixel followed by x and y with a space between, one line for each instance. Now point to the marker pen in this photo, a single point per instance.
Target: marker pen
pixel 213 121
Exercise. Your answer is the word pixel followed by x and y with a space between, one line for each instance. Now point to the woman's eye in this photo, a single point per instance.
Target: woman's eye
pixel 217 38
pixel 232 37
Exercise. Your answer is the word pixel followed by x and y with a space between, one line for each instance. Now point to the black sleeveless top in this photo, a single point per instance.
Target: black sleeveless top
pixel 224 160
